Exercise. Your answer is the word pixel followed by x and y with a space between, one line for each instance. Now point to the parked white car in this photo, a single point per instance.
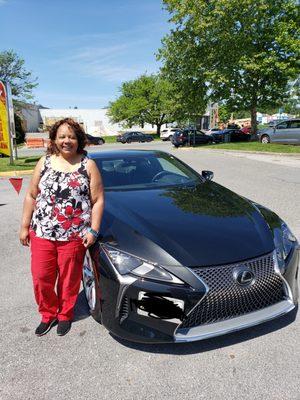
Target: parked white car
pixel 167 133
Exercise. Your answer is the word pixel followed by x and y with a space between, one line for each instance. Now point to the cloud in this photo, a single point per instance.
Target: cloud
pixel 112 63
pixel 126 35
pixel 65 100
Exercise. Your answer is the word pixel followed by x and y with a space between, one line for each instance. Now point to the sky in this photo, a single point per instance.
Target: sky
pixel 82 50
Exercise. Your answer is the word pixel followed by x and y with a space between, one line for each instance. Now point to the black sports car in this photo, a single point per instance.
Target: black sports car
pixel 181 258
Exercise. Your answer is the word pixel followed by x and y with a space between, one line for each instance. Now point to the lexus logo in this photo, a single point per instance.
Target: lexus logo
pixel 243 275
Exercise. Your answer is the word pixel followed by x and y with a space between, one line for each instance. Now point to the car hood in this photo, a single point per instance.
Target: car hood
pixel 192 226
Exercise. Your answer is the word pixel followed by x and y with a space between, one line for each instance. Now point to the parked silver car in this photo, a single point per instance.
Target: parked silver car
pixel 286 132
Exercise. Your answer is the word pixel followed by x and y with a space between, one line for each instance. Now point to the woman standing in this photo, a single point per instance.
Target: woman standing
pixel 61 218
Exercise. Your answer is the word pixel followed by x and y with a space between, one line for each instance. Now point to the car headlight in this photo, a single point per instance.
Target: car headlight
pixel 126 263
pixel 284 241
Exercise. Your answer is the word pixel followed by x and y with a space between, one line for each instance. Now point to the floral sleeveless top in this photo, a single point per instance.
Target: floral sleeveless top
pixel 63 207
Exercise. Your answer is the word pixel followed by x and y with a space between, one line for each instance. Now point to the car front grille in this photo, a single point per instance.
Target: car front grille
pixel 226 299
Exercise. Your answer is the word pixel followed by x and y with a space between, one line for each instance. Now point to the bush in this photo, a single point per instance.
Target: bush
pixel 20 133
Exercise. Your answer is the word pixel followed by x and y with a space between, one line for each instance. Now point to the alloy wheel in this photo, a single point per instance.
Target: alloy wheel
pixel 265 139
pixel 89 283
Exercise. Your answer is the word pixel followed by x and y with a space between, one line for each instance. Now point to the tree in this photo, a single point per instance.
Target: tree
pixel 12 70
pixel 147 99
pixel 241 51
pixel 292 105
pixel 224 113
pixel 20 133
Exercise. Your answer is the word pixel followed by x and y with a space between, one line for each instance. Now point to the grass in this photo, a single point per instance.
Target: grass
pixel 256 146
pixel 22 164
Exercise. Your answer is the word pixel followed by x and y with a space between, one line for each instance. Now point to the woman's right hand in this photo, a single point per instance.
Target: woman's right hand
pixel 24 236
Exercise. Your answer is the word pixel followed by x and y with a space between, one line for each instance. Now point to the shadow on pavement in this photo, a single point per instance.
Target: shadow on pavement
pixel 217 342
pixel 81 309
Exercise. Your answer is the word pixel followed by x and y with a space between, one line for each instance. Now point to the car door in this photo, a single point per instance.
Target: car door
pixel 294 131
pixel 237 135
pixel 201 137
pixel 281 133
pixel 135 137
pixel 191 137
pixel 141 137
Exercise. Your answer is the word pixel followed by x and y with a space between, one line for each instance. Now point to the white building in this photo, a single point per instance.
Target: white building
pixel 31 116
pixel 95 121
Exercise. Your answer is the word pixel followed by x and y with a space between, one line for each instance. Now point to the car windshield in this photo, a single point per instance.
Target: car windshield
pixel 145 171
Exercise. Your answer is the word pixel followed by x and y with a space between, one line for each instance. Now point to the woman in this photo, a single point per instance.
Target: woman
pixel 61 218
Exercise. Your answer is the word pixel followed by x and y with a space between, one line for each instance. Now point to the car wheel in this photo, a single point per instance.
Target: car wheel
pixel 170 137
pixel 100 141
pixel 265 139
pixel 128 141
pixel 91 287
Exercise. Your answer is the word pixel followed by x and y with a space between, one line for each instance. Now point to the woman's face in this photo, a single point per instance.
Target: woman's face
pixel 66 140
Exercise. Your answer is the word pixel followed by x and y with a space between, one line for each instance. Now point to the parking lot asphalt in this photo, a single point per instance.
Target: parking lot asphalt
pixel 257 363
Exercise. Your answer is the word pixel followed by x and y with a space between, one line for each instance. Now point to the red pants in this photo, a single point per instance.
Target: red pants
pixel 56 262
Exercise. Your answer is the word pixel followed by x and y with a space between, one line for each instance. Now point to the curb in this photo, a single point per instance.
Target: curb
pixel 244 152
pixel 10 174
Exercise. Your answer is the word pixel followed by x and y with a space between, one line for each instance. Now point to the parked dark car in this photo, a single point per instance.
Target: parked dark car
pixel 94 139
pixel 180 257
pixel 190 137
pixel 230 135
pixel 129 137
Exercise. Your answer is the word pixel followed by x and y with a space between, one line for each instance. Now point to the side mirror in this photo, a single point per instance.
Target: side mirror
pixel 207 175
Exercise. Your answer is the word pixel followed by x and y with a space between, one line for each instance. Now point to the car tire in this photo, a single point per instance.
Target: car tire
pixel 90 283
pixel 101 141
pixel 265 139
pixel 128 141
pixel 170 138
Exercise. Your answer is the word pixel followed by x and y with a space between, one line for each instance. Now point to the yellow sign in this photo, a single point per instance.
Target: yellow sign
pixel 4 133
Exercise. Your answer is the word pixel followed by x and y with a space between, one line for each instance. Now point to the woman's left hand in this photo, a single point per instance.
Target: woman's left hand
pixel 88 240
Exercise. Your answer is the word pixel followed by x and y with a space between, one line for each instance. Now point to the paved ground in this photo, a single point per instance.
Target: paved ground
pixel 259 363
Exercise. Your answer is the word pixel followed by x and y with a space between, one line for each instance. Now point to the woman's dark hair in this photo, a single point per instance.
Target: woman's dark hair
pixel 76 128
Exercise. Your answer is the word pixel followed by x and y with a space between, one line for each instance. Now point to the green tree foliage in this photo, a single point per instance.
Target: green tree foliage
pixel 147 99
pixel 12 70
pixel 20 133
pixel 224 113
pixel 240 51
pixel 215 200
pixel 292 105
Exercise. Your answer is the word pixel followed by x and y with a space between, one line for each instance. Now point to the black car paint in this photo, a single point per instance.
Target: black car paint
pixel 211 215
pixel 230 135
pixel 216 226
pixel 135 136
pixel 95 139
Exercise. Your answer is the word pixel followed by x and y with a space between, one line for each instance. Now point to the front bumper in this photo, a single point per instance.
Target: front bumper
pixel 147 311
